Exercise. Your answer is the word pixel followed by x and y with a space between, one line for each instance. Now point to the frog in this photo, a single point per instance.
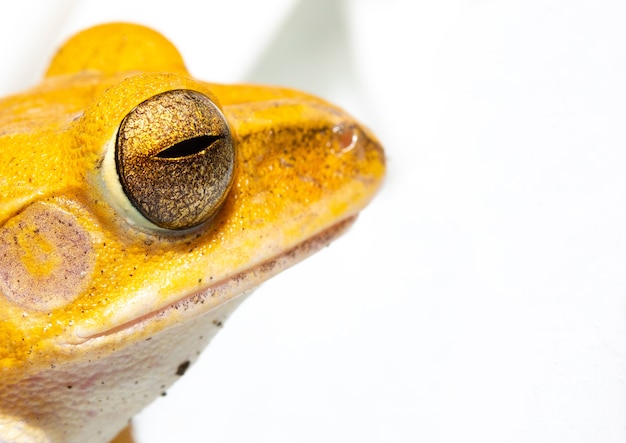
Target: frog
pixel 139 206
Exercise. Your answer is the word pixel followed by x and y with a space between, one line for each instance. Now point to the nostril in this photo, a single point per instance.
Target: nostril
pixel 346 137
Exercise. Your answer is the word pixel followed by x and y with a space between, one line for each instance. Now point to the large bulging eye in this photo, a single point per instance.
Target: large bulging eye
pixel 175 158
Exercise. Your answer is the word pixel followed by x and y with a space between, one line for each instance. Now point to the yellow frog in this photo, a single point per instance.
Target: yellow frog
pixel 138 208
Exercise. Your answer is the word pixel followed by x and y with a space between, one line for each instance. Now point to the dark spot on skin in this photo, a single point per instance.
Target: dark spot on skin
pixel 218 323
pixel 182 368
pixel 69 386
pixel 163 394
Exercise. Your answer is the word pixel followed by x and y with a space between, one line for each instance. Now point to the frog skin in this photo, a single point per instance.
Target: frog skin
pixel 139 207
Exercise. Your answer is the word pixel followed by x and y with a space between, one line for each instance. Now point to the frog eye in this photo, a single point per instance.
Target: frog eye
pixel 175 157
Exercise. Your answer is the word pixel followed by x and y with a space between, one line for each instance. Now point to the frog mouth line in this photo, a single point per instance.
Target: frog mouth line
pixel 231 286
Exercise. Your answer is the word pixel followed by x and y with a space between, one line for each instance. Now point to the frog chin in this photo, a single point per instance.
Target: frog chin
pixel 213 297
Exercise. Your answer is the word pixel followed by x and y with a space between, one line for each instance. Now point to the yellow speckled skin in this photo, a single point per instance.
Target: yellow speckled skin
pixel 97 315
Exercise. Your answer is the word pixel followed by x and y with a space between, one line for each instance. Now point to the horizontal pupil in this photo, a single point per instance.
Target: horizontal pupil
pixel 189 147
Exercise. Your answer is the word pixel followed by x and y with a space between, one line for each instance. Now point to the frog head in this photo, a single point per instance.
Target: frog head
pixel 139 206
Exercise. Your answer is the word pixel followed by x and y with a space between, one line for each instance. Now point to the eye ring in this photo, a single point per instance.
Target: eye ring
pixel 175 159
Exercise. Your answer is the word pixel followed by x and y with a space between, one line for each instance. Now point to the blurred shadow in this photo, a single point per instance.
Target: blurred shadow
pixel 311 51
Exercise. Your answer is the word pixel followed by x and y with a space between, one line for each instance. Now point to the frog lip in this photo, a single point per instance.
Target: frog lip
pixel 224 290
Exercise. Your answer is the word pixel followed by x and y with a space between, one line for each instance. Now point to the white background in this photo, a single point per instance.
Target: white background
pixel 481 296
